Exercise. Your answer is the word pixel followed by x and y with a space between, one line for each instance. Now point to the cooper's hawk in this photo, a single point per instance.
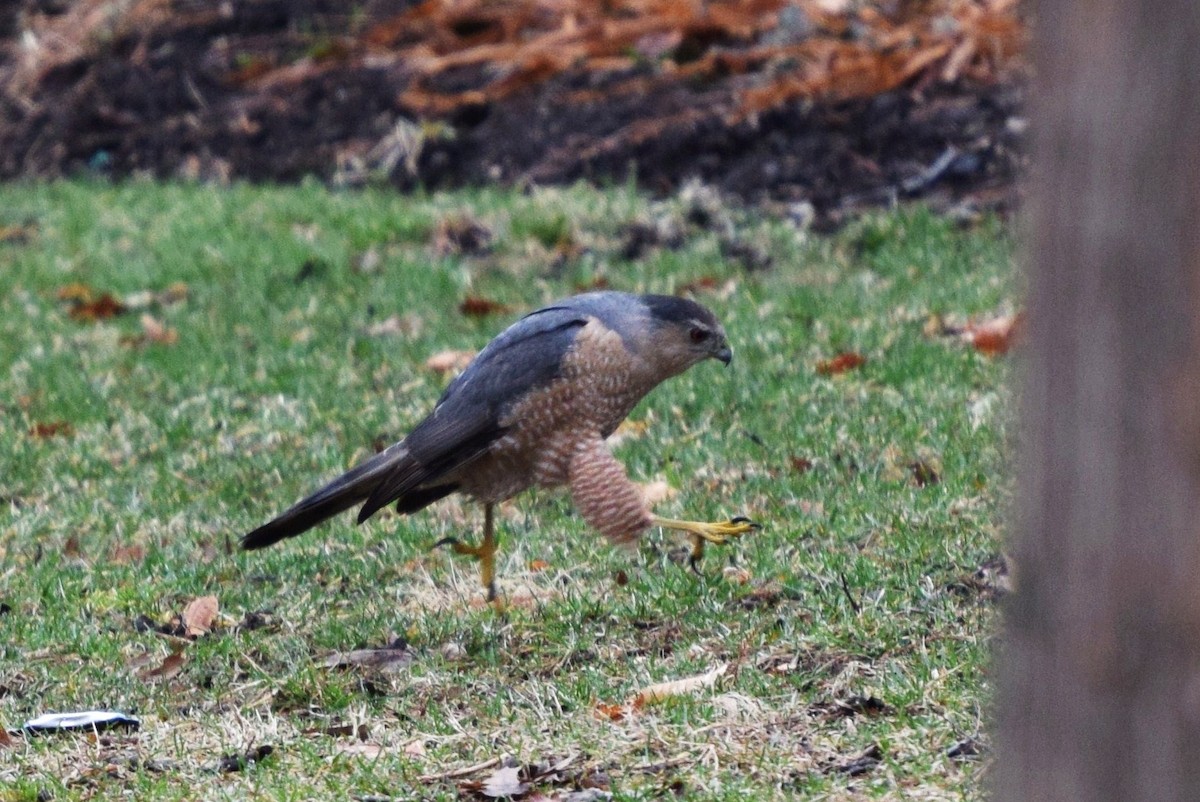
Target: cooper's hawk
pixel 534 408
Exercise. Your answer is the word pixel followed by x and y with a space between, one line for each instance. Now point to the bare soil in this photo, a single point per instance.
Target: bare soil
pixel 266 90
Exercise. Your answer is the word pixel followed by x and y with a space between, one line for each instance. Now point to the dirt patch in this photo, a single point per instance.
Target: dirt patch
pixel 813 105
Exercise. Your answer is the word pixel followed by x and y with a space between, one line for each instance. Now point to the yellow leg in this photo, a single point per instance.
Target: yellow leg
pixel 701 532
pixel 485 552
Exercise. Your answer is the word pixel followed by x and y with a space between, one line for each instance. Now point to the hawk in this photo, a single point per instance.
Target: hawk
pixel 534 409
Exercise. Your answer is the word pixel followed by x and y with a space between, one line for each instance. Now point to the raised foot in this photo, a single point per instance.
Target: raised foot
pixel 701 532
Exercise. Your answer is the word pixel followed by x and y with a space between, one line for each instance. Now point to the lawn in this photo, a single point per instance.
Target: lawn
pixel 181 362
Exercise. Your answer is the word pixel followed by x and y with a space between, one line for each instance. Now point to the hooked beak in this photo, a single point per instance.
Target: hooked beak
pixel 725 355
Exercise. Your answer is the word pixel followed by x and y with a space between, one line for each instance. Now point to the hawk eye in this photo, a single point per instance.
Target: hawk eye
pixel 698 334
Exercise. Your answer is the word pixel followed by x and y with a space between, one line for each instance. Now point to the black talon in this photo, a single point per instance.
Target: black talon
pixel 742 519
pixel 446 541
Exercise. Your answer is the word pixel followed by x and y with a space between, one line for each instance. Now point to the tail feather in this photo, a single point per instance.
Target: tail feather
pixel 352 487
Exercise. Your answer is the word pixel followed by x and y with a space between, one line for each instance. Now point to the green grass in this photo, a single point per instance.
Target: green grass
pixel 277 381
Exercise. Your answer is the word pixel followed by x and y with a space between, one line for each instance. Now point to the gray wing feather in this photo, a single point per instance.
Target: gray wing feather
pixel 466 420
pixel 339 495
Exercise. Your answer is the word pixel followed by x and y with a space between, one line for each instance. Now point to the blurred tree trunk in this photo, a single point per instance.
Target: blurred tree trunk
pixel 1100 666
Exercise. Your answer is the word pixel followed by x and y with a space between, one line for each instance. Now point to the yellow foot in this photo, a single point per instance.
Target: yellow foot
pixel 701 532
pixel 485 553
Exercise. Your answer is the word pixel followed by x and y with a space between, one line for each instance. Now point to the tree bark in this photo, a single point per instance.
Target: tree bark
pixel 1100 662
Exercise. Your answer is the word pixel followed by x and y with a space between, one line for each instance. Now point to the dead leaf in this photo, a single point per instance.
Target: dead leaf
pixel 475 306
pixel 801 464
pixel 157 332
pixel 359 748
pixel 661 691
pixel 504 782
pixel 737 576
pixel 153 331
pixel 142 300
pixel 72 547
pixel 697 286
pixel 538 565
pixel 171 667
pixel 172 294
pixel 85 306
pixel 390 658
pixel 198 617
pixel 75 292
pixel 612 712
pixel 847 360
pixel 407 326
pixel 996 336
pixel 126 555
pixel 47 429
pixel 414 748
pixel 449 361
pixel 6 740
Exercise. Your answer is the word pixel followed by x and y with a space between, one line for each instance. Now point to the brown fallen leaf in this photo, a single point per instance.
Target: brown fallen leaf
pixel 538 565
pixel 75 292
pixel 847 360
pixel 996 336
pixel 612 712
pixel 126 555
pixel 395 325
pixel 661 691
pixel 359 748
pixel 801 464
pixel 993 337
pixel 6 740
pixel 155 331
pixel 389 658
pixel 449 361
pixel 47 429
pixel 737 576
pixel 504 782
pixel 199 615
pixel 702 284
pixel 171 295
pixel 475 306
pixel 72 548
pixel 172 666
pixel 85 306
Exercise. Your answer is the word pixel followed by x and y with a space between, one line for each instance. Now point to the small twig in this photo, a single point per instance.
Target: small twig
pixel 465 771
pixel 854 605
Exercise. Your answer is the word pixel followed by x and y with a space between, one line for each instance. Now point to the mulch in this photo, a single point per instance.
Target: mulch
pixel 818 107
